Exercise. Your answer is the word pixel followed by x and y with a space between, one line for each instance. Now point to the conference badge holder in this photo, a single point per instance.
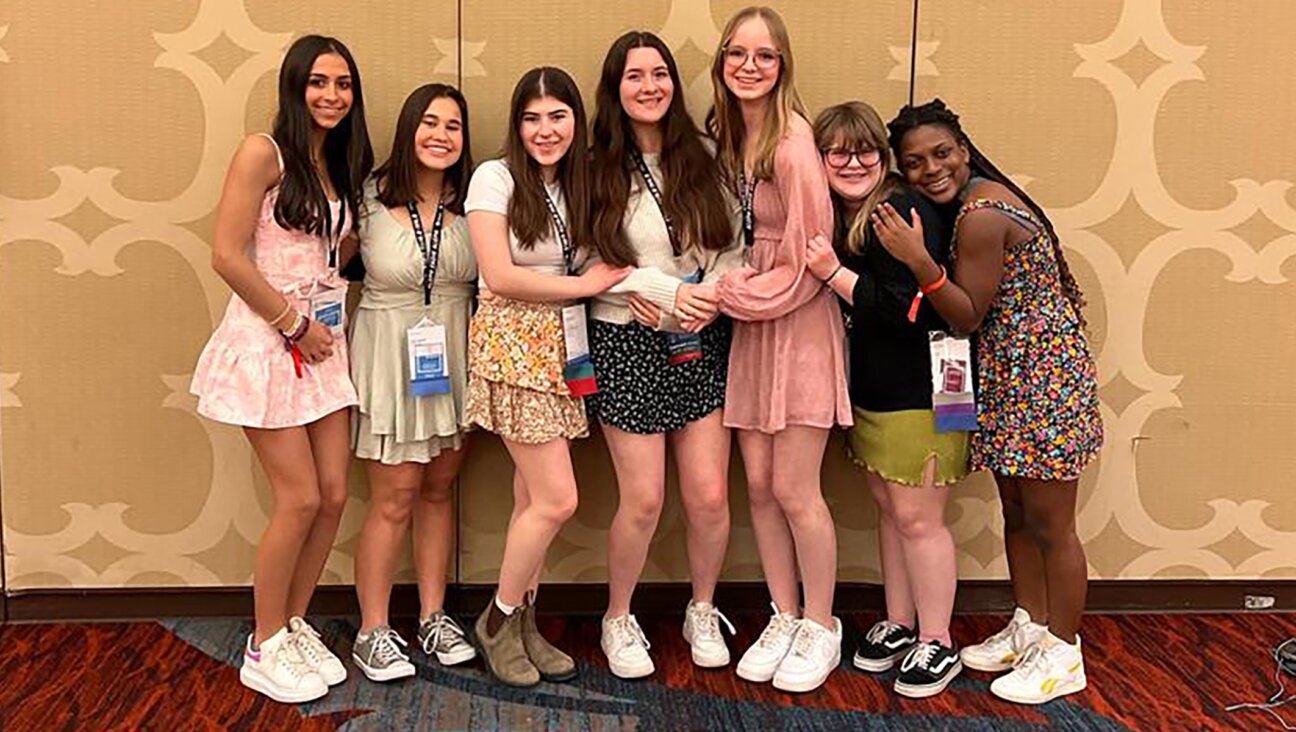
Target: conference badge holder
pixel 578 372
pixel 953 397
pixel 428 370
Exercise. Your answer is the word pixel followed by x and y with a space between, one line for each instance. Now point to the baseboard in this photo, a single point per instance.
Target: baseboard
pixel 977 596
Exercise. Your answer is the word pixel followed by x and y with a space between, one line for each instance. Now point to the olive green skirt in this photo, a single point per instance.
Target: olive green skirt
pixel 897 446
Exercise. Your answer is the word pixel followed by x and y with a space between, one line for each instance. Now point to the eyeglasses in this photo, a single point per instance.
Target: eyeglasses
pixel 766 58
pixel 839 158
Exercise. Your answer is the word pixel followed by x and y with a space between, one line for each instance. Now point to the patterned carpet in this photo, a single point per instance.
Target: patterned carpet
pixel 1146 672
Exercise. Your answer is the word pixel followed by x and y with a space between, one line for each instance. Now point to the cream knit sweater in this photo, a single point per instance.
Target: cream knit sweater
pixel 660 272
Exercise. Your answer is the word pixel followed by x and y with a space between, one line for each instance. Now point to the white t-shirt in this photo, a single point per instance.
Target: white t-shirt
pixel 491 189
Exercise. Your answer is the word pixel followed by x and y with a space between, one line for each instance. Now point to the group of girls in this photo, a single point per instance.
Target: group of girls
pixel 675 287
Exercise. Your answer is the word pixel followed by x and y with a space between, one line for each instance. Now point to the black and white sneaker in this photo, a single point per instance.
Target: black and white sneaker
pixel 884 644
pixel 927 670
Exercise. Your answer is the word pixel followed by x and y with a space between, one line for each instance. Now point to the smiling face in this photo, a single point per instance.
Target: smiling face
pixel 438 140
pixel 751 60
pixel 546 130
pixel 935 162
pixel 853 170
pixel 646 86
pixel 328 90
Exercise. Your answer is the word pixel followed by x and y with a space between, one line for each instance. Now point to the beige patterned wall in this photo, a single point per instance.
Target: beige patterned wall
pixel 1152 131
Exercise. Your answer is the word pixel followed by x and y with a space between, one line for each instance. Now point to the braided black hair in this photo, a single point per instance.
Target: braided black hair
pixel 911 117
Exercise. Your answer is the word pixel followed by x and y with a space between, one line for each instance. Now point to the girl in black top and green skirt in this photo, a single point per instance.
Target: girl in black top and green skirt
pixel 908 464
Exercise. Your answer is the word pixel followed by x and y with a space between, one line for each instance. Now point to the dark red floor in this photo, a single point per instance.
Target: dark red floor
pixel 1146 672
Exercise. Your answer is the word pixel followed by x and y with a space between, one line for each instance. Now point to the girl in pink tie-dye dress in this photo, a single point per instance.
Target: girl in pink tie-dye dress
pixel 277 364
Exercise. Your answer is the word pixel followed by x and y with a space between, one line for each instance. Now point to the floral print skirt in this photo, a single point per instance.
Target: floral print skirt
pixel 516 355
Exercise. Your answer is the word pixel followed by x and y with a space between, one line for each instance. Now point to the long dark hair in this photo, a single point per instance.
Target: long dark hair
pixel 348 156
pixel 936 113
pixel 528 214
pixel 397 177
pixel 692 190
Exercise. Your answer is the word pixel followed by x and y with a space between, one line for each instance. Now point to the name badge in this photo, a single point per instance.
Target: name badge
pixel 953 394
pixel 684 347
pixel 578 372
pixel 328 307
pixel 429 373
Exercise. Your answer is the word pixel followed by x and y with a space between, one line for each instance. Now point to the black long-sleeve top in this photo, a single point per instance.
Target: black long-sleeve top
pixel 889 357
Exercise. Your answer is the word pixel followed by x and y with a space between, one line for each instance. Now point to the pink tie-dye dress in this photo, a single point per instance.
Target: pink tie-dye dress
pixel 245 376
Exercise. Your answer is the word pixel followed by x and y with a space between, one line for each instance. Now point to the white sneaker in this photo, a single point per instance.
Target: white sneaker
pixel 1000 651
pixel 626 648
pixel 277 670
pixel 815 653
pixel 1047 670
pixel 379 655
pixel 702 632
pixel 441 636
pixel 313 651
pixel 760 661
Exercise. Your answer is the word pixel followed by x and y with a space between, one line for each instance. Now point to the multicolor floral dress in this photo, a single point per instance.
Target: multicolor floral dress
pixel 1037 397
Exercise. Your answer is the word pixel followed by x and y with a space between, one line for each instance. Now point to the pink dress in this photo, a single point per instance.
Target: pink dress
pixel 787 364
pixel 245 376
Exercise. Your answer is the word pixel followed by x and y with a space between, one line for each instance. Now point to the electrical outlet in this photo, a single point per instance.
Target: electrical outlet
pixel 1257 602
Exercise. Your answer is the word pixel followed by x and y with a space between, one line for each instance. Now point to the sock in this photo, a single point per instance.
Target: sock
pixel 499 612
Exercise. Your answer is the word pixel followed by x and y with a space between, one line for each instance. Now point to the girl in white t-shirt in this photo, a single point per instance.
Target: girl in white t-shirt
pixel 528 221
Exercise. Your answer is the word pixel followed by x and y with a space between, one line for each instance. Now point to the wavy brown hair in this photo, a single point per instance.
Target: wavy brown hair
pixel 528 215
pixel 725 122
pixel 692 192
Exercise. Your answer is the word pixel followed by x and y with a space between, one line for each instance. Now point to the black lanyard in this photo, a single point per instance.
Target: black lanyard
pixel 560 229
pixel 651 183
pixel 334 236
pixel 431 249
pixel 747 199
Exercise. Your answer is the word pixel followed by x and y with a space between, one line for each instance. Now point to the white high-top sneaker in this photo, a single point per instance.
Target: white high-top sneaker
pixel 815 653
pixel 315 653
pixel 763 658
pixel 1047 670
pixel 702 632
pixel 999 651
pixel 626 647
pixel 278 671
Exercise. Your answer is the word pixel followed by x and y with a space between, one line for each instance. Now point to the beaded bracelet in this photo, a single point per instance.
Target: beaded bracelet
pixel 301 328
pixel 291 329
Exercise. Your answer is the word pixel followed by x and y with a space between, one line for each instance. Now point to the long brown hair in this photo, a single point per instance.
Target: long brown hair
pixel 692 192
pixel 935 112
pixel 725 121
pixel 857 126
pixel 398 176
pixel 528 215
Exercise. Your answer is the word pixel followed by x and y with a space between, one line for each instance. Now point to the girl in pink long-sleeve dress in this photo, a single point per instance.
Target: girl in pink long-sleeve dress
pixel 787 375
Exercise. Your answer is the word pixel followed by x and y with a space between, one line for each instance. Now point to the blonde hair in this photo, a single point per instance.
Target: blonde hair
pixel 856 126
pixel 724 121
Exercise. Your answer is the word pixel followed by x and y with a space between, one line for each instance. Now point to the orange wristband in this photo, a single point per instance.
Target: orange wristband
pixel 926 290
pixel 939 283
